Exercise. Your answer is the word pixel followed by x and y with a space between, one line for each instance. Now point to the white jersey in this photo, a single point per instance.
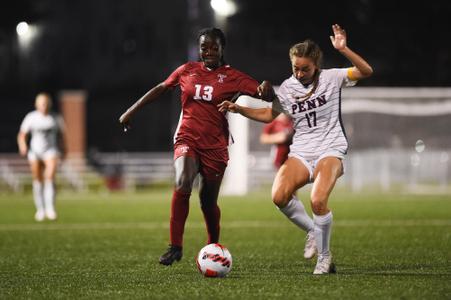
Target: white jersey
pixel 44 130
pixel 316 120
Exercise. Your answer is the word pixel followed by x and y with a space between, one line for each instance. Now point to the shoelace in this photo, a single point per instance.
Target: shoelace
pixel 322 264
pixel 310 240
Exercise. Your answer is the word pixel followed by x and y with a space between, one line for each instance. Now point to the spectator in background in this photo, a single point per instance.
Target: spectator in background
pixel 44 151
pixel 202 137
pixel 278 133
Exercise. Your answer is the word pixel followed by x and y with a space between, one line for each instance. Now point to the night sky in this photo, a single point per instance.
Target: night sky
pixel 117 50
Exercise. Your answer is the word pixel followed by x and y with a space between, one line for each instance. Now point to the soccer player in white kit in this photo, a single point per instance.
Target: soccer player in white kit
pixel 311 97
pixel 46 145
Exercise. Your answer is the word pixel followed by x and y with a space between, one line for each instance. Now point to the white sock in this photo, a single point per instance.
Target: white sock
pixel 49 195
pixel 323 228
pixel 38 195
pixel 295 211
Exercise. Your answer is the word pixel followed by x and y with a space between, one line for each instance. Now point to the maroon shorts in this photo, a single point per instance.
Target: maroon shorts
pixel 212 162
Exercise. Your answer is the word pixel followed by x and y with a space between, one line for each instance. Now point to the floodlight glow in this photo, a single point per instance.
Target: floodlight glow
pixel 22 28
pixel 224 8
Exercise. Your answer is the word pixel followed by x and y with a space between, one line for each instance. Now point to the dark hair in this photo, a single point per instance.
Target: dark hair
pixel 309 49
pixel 214 33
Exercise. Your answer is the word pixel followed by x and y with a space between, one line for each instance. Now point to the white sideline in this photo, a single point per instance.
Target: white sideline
pixel 233 224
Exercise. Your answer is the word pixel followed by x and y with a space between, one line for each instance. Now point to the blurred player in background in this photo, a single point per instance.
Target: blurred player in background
pixel 202 136
pixel 47 144
pixel 312 96
pixel 278 133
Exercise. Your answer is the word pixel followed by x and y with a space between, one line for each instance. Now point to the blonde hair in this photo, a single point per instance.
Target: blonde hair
pixel 46 96
pixel 311 50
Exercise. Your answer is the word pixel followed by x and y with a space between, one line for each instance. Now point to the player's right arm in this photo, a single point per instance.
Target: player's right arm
pixel 22 143
pixel 265 115
pixel 25 128
pixel 150 96
pixel 274 138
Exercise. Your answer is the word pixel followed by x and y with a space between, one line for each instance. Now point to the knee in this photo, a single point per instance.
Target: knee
pixel 319 204
pixel 184 184
pixel 208 205
pixel 281 198
pixel 209 202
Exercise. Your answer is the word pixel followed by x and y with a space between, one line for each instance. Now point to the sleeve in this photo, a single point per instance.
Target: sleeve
pixel 277 104
pixel 174 78
pixel 25 127
pixel 342 76
pixel 247 85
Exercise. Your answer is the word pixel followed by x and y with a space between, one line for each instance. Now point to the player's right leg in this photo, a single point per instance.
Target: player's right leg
pixel 37 169
pixel 292 175
pixel 186 168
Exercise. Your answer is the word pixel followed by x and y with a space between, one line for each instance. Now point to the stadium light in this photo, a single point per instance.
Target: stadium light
pixel 224 8
pixel 22 28
pixel 26 34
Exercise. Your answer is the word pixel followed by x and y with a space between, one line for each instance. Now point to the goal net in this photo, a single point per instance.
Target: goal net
pixel 398 138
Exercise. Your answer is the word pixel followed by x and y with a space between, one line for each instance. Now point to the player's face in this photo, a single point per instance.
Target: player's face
pixel 210 51
pixel 43 104
pixel 303 69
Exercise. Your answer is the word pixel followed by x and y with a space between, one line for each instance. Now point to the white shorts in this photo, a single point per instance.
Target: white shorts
pixel 47 154
pixel 311 164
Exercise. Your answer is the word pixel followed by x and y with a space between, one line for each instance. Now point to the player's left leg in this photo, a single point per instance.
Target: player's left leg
pixel 327 171
pixel 208 194
pixel 51 165
pixel 213 165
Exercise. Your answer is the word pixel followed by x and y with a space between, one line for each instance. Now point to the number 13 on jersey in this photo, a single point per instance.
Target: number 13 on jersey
pixel 203 92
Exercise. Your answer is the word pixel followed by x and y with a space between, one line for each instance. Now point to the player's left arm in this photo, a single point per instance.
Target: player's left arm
pixel 361 68
pixel 62 137
pixel 265 91
pixel 249 86
pixel 275 138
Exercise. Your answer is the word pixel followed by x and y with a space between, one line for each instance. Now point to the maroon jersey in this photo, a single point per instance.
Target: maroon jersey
pixel 201 124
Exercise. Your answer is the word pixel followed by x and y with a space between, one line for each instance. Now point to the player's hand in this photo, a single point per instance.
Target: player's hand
pixel 339 38
pixel 228 106
pixel 124 119
pixel 23 151
pixel 265 91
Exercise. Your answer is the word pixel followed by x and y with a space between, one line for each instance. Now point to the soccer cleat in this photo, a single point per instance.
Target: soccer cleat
pixel 51 215
pixel 39 216
pixel 324 265
pixel 310 246
pixel 174 253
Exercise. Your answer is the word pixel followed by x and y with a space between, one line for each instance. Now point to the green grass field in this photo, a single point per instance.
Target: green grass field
pixel 106 246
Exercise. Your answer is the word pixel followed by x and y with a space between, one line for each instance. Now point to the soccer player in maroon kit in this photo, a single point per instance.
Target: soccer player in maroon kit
pixel 278 133
pixel 202 136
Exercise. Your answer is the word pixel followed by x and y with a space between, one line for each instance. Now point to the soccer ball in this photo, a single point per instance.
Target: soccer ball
pixel 214 260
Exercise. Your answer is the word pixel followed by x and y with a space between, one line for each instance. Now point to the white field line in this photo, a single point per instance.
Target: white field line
pixel 232 224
